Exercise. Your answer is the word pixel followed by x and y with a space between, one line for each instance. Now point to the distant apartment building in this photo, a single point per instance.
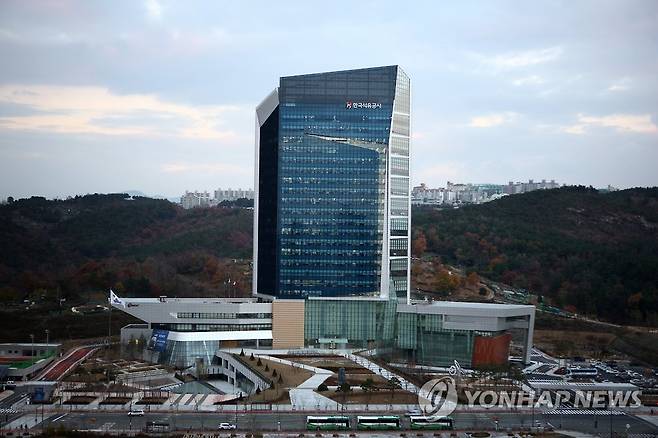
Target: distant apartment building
pixel 457 193
pixel 513 188
pixel 195 199
pixel 202 199
pixel 233 194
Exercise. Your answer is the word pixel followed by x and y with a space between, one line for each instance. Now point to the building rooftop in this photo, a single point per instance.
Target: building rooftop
pixel 471 305
pixel 212 300
pixel 467 308
pixel 29 344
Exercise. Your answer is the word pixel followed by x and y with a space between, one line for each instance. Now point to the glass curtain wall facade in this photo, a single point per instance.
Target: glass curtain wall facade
pixel 361 323
pixel 424 340
pixel 341 171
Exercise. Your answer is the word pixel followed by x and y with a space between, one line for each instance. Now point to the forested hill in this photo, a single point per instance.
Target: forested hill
pixel 140 246
pixel 592 251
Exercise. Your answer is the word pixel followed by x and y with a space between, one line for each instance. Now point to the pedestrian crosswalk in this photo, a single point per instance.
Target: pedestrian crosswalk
pixel 5 411
pixel 583 412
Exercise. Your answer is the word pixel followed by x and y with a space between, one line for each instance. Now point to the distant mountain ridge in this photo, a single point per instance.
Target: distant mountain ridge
pixel 594 252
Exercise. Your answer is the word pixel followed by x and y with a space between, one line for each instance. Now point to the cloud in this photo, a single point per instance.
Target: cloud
pixel 491 120
pixel 153 9
pixel 641 123
pixel 96 110
pixel 528 80
pixel 517 60
pixel 213 168
pixel 622 84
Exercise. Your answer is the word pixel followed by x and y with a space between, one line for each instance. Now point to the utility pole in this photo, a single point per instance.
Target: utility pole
pixel 109 323
pixel 47 338
pixel 32 338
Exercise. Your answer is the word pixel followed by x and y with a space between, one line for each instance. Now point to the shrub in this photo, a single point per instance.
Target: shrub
pixel 323 387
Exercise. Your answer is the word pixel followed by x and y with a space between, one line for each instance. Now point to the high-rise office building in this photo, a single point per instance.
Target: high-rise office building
pixel 332 201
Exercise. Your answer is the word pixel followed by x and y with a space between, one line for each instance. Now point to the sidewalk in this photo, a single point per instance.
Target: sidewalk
pixel 376 369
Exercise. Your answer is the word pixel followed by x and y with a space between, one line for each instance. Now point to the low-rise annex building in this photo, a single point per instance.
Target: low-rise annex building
pixel 179 331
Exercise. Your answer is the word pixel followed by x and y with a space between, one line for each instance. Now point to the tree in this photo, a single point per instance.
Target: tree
pixel 419 245
pixel 445 281
pixel 392 385
pixel 473 279
pixel 367 387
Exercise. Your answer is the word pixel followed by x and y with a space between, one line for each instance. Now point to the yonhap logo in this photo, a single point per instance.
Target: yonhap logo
pixel 438 398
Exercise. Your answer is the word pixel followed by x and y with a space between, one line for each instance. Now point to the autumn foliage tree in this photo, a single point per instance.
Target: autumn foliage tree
pixel 446 281
pixel 472 279
pixel 419 245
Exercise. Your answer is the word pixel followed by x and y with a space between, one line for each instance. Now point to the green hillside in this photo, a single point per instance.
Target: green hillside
pixel 595 252
pixel 139 246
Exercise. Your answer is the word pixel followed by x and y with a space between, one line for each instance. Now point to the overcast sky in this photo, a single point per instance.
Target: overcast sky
pixel 159 96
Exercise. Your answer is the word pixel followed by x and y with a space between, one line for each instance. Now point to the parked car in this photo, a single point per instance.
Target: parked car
pixel 138 413
pixel 226 426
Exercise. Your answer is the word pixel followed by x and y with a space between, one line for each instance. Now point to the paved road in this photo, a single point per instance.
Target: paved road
pixel 7 414
pixel 56 371
pixel 595 423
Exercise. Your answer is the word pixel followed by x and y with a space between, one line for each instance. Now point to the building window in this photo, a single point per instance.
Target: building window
pixel 400 145
pixel 399 226
pixel 399 247
pixel 399 207
pixel 400 186
pixel 400 166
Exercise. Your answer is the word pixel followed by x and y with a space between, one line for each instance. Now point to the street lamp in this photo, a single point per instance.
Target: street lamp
pixel 32 338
